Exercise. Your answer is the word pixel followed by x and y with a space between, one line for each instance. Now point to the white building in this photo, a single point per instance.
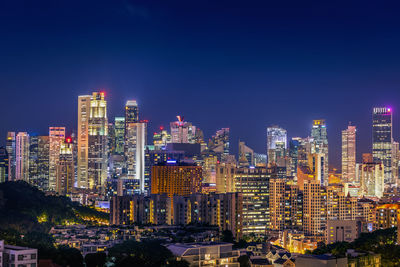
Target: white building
pixel 206 254
pixel 14 256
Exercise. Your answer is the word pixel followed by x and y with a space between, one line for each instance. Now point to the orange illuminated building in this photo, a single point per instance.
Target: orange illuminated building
pixel 176 179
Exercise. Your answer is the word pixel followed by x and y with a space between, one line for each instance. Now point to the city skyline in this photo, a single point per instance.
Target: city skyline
pixel 334 162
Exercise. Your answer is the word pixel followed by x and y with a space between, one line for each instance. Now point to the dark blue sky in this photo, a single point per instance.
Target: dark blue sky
pixel 240 65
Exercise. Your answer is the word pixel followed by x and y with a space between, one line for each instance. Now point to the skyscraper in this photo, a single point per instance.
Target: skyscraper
pixel 65 172
pixel 97 150
pixel 382 139
pixel 83 140
pixel 119 130
pixel 4 165
pixel 182 131
pixel 22 157
pixel 253 183
pixel 161 139
pixel 11 150
pixel 219 142
pixel 56 137
pixel 276 140
pixel 246 154
pixel 349 155
pixel 135 142
pixel 319 145
pixel 39 161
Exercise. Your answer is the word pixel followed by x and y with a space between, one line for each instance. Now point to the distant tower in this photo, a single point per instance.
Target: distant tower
pixel 182 131
pixel 135 142
pixel 65 172
pixel 382 139
pixel 11 150
pixel 83 140
pixel 320 145
pixel 349 154
pixel 119 129
pixel 276 143
pixel 4 165
pixel 97 149
pixel 22 157
pixel 56 137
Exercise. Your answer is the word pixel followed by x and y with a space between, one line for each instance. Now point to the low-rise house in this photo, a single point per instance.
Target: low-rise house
pixel 320 261
pixel 206 254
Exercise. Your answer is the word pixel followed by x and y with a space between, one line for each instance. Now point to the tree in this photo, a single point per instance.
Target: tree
pixel 95 259
pixel 68 257
pixel 244 261
pixel 227 236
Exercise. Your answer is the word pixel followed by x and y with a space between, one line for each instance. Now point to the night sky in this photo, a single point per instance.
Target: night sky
pixel 240 65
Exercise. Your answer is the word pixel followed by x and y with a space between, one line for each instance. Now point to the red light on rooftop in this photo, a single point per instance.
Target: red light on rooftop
pixel 68 140
pixel 161 128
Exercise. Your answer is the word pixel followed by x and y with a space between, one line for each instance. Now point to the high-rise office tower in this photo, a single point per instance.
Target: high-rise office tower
pixel 97 150
pixel 4 165
pixel 111 139
pixel 83 140
pixel 294 145
pixel 371 177
pixel 39 161
pixel 161 139
pixel 135 144
pixel 395 161
pixel 131 111
pixel 253 183
pixel 22 157
pixel 319 145
pixel 65 171
pixel 11 150
pixel 349 154
pixel 317 166
pixel 246 155
pixel 182 131
pixel 56 137
pixel 276 143
pixel 219 142
pixel 119 130
pixel 382 139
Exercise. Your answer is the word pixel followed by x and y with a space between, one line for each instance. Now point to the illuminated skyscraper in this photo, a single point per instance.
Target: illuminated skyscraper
pixel 119 130
pixel 131 112
pixel 319 145
pixel 276 143
pixel 83 140
pixel 317 166
pixel 246 155
pixel 219 142
pixel 314 208
pixel 349 155
pixel 161 139
pixel 39 161
pixel 56 137
pixel 97 150
pixel 182 131
pixel 135 144
pixel 382 140
pixel 65 172
pixel 371 178
pixel 4 166
pixel 253 183
pixel 22 157
pixel 11 150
